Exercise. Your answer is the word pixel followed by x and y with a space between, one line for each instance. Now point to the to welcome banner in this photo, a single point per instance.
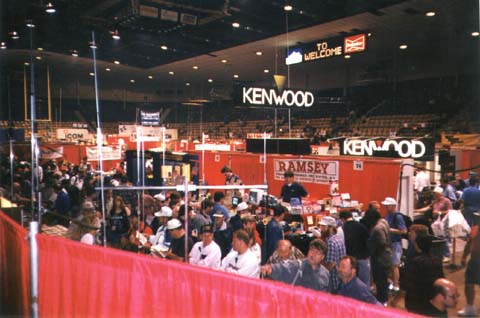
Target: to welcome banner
pixel 307 170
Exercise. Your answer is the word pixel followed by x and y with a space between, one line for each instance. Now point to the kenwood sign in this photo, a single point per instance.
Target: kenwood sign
pixel 418 149
pixel 271 97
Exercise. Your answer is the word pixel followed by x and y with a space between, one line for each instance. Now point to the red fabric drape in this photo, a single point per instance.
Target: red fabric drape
pixel 14 269
pixel 81 281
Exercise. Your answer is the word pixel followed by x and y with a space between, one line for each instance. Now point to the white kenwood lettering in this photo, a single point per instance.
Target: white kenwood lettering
pixel 262 96
pixel 404 148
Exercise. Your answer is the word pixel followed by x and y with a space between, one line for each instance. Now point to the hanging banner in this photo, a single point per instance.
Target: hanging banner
pixel 150 119
pixel 51 152
pixel 73 134
pixel 421 149
pixel 108 153
pixel 149 133
pixel 307 170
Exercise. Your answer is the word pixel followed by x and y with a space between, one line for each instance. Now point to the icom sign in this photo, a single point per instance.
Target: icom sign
pixel 418 149
pixel 73 134
pixel 257 96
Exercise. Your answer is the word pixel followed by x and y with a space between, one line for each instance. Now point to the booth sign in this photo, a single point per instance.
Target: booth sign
pixel 51 152
pixel 73 134
pixel 307 170
pixel 418 149
pixel 108 153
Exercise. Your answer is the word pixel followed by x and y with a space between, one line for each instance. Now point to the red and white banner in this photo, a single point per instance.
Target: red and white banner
pixel 355 43
pixel 307 170
pixel 51 152
pixel 108 153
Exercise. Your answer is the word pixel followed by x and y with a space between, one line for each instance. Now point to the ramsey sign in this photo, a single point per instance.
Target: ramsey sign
pixel 255 96
pixel 306 170
pixel 418 149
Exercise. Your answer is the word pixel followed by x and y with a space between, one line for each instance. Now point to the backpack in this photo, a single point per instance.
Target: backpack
pixel 406 219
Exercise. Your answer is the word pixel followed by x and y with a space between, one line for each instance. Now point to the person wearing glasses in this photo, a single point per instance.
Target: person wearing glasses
pixel 444 295
pixel 206 253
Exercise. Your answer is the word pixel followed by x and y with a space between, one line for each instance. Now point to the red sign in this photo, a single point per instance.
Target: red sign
pixel 355 43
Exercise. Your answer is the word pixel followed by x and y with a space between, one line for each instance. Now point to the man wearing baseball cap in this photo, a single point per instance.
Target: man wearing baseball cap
pixel 335 250
pixel 397 228
pixel 177 248
pixel 236 220
pixel 206 253
pixel 162 236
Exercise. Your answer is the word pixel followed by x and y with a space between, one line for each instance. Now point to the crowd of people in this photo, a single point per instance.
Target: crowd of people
pixel 357 259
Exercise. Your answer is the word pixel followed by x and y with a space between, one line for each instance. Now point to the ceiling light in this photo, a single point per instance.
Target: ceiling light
pixel 403 47
pixel 75 53
pixel 26 64
pixel 108 69
pixel 430 14
pixel 171 73
pixel 91 74
pixel 195 67
pixel 30 24
pixel 38 58
pixel 115 35
pixel 164 47
pixel 14 35
pixel 224 61
pixel 50 8
pixel 187 84
pixel 266 71
pixel 210 80
pixel 475 33
pixel 259 53
pixel 347 56
pixel 235 76
pixel 369 34
pixel 150 77
pixel 132 81
pixel 235 24
pixel 3 46
pixel 40 49
pixel 288 7
pixel 116 62
pixel 93 45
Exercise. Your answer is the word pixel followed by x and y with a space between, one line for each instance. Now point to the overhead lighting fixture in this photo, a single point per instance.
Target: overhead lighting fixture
pixel 164 47
pixel 475 33
pixel 369 34
pixel 347 56
pixel 210 80
pixel 91 74
pixel 259 53
pixel 26 64
pixel 266 71
pixel 108 69
pixel 195 67
pixel 14 35
pixel 430 14
pixel 38 58
pixel 403 47
pixel 150 77
pixel 50 8
pixel 132 81
pixel 115 35
pixel 288 7
pixel 171 73
pixel 235 76
pixel 93 45
pixel 75 53
pixel 30 24
pixel 187 84
pixel 40 49
pixel 3 46
pixel 116 62
pixel 224 61
pixel 236 25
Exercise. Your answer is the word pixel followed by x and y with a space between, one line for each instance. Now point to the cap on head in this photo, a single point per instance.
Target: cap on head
pixel 242 206
pixel 207 228
pixel 288 174
pixel 389 201
pixel 165 211
pixel 173 224
pixel 438 190
pixel 160 197
pixel 328 221
pixel 226 169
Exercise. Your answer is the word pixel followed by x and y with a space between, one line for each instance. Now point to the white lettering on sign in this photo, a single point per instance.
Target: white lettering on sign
pixel 404 148
pixel 323 51
pixel 262 96
pixel 305 170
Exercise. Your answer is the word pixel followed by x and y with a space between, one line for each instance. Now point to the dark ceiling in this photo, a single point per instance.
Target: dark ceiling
pixel 142 37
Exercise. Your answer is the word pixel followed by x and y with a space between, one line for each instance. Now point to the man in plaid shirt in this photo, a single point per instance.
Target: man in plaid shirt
pixel 335 250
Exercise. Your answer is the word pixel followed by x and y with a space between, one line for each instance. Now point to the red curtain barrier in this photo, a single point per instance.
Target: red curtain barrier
pixel 14 269
pixel 82 281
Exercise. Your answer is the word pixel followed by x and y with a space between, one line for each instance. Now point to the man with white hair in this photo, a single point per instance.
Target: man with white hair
pixel 397 228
